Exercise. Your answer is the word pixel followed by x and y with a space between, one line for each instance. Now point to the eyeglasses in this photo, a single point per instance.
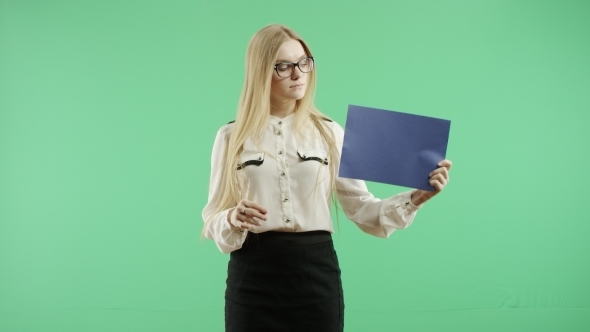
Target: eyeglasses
pixel 285 69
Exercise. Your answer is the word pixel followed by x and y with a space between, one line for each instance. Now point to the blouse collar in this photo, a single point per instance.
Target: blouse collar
pixel 288 120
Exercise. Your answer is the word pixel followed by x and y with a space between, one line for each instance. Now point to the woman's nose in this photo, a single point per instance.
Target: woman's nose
pixel 296 74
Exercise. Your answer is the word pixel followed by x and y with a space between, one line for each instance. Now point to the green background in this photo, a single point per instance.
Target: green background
pixel 108 111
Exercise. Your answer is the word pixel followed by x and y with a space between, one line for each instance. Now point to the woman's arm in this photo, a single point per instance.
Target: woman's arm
pixel 382 217
pixel 227 237
pixel 373 215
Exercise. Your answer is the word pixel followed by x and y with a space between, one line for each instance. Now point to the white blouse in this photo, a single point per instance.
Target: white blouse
pixel 287 174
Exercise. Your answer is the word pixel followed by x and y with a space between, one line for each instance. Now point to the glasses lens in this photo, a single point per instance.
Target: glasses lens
pixel 306 65
pixel 284 69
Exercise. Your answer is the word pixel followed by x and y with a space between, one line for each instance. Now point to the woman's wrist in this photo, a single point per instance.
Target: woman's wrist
pixel 419 197
pixel 229 212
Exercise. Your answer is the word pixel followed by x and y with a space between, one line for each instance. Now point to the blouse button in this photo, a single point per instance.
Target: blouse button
pixel 285 199
pixel 281 152
pixel 280 123
pixel 288 220
pixel 279 132
pixel 282 173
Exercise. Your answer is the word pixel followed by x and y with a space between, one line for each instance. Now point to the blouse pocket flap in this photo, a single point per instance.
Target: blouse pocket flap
pixel 318 155
pixel 251 158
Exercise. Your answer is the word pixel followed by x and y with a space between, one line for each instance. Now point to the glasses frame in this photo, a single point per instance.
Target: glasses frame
pixel 295 64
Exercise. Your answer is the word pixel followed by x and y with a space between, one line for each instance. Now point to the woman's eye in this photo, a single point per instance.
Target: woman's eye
pixel 283 67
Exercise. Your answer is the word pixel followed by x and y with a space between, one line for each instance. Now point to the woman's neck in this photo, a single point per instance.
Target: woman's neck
pixel 282 109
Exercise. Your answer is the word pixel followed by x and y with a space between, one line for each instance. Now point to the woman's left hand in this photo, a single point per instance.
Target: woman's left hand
pixel 439 178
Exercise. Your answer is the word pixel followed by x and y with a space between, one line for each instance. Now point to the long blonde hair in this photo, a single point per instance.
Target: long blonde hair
pixel 254 110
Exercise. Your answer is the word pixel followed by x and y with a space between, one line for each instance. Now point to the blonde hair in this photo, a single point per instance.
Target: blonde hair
pixel 254 110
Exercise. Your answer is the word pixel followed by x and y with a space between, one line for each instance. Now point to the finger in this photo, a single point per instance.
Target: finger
pixel 437 185
pixel 435 176
pixel 440 178
pixel 245 218
pixel 242 225
pixel 245 225
pixel 254 221
pixel 440 170
pixel 253 210
pixel 250 220
pixel 242 209
pixel 253 205
pixel 250 212
pixel 256 214
pixel 446 163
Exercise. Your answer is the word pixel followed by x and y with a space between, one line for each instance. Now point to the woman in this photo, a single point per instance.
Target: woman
pixel 274 171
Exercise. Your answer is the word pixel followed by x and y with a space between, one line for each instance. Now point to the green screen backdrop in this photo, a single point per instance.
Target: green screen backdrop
pixel 108 111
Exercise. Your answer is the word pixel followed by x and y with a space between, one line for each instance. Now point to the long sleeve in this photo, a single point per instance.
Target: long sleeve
pixel 219 230
pixel 372 215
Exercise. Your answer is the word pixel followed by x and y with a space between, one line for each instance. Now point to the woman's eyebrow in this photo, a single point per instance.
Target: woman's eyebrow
pixel 282 60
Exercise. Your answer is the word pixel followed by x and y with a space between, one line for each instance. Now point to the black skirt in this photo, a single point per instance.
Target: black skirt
pixel 284 282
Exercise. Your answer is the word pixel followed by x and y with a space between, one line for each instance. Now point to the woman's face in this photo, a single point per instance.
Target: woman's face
pixel 293 87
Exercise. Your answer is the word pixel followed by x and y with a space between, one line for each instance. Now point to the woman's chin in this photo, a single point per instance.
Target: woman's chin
pixel 298 96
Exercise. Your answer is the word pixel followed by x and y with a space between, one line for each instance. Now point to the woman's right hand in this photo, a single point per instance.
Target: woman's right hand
pixel 246 215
